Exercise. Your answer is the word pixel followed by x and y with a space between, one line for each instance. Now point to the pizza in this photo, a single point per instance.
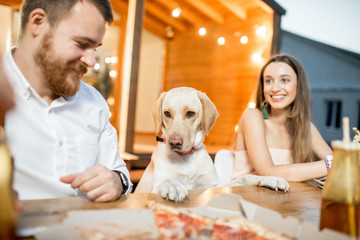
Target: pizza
pixel 174 223
pixel 241 228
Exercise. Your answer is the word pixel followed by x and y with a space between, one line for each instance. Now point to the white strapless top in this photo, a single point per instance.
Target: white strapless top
pixel 243 166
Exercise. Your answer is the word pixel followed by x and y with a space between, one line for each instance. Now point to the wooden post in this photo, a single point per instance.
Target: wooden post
pixel 275 47
pixel 130 75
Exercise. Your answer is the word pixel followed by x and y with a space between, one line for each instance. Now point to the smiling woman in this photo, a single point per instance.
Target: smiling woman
pixel 284 143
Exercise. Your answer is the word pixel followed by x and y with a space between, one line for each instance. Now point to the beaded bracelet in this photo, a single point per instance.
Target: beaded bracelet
pixel 328 162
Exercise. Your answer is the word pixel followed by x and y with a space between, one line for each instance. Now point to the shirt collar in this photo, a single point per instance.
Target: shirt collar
pixel 16 76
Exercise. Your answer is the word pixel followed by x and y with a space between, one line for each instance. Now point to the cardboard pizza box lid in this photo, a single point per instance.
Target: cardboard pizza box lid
pixel 289 226
pixel 224 205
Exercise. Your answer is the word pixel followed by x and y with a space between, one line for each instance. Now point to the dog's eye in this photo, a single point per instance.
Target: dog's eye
pixel 190 114
pixel 167 114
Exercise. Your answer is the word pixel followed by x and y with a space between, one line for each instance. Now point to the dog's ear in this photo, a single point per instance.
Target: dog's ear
pixel 157 113
pixel 209 112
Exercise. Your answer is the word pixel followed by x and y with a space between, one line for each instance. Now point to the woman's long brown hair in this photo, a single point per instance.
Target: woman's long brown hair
pixel 299 118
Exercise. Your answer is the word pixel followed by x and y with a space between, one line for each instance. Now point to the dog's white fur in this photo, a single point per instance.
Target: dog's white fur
pixel 185 116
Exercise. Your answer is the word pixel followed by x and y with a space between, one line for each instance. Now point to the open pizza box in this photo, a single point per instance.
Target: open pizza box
pixel 139 224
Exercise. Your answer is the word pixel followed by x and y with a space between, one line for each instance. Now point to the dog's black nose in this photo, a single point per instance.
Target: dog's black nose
pixel 176 142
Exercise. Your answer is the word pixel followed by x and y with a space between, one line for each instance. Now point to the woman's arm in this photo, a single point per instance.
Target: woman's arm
pixel 253 138
pixel 320 148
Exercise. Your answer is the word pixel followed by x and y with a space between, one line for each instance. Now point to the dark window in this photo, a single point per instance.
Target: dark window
pixel 358 125
pixel 329 111
pixel 333 114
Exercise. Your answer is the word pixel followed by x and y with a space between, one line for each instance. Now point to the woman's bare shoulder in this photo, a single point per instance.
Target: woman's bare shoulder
pixel 251 130
pixel 252 118
pixel 251 114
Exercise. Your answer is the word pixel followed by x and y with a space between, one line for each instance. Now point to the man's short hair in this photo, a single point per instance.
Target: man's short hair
pixel 58 9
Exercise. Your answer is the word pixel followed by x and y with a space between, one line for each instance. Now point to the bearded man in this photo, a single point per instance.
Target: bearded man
pixel 59 131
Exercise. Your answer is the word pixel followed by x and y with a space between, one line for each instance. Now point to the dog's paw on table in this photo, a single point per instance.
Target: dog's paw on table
pixel 173 190
pixel 274 183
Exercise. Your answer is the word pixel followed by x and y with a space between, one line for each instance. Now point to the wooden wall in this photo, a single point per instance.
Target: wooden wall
pixel 227 74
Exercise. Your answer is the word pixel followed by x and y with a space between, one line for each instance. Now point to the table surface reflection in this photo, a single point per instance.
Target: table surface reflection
pixel 303 202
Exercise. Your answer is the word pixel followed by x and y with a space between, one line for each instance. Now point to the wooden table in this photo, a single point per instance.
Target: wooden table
pixel 303 202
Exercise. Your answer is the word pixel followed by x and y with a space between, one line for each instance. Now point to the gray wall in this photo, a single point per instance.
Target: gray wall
pixel 334 75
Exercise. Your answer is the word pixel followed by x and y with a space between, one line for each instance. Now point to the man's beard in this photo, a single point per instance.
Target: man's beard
pixel 56 70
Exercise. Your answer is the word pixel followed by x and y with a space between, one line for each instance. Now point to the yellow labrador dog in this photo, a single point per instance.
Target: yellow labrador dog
pixel 180 160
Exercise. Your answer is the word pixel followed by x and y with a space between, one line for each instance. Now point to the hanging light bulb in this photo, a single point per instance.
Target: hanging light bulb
pixel 113 73
pixel 260 31
pixel 97 66
pixel 221 41
pixel 169 32
pixel 244 39
pixel 236 129
pixel 108 60
pixel 110 101
pixel 256 57
pixel 202 31
pixel 252 105
pixel 113 59
pixel 176 12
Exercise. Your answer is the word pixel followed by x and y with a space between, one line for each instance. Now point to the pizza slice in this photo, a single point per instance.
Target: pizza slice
pixel 173 223
pixel 240 228
pixel 195 223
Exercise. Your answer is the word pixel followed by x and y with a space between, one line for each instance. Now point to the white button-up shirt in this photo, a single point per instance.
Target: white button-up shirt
pixel 68 136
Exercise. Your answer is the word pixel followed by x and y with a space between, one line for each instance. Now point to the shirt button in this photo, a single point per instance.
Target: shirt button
pixel 25 94
pixel 61 143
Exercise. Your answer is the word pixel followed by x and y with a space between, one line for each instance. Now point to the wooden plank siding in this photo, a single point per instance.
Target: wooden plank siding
pixel 225 73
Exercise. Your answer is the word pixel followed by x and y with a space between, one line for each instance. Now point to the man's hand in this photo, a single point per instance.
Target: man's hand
pixel 99 183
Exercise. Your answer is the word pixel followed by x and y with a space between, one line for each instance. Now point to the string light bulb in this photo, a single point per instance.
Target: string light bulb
pixel 244 39
pixel 252 105
pixel 113 59
pixel 261 31
pixel 113 73
pixel 256 57
pixel 110 101
pixel 97 66
pixel 236 129
pixel 108 60
pixel 176 12
pixel 221 41
pixel 202 31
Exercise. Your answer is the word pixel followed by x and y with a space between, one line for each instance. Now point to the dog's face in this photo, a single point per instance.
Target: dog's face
pixel 184 115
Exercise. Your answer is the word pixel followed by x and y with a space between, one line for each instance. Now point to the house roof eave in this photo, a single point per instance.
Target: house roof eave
pixel 274 5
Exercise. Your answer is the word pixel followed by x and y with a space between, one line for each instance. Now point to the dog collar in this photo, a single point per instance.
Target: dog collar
pixel 160 139
pixel 187 153
pixel 163 140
